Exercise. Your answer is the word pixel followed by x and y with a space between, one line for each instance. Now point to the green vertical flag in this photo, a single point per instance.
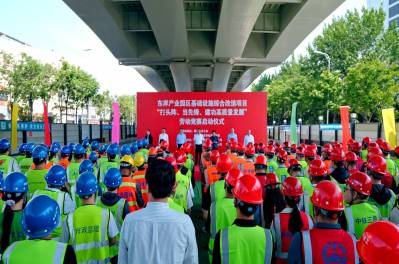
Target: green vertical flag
pixel 294 137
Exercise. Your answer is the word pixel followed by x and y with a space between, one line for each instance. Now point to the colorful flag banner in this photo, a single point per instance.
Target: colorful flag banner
pixel 294 136
pixel 388 119
pixel 14 120
pixel 346 134
pixel 47 136
pixel 115 123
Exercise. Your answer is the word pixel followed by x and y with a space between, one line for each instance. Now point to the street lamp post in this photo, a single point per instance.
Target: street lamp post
pixel 329 69
pixel 300 129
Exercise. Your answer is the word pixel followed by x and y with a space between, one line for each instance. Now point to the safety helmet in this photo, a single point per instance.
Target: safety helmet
pixel 172 162
pixel 366 140
pixel 164 145
pixel 186 147
pixel 30 147
pixel 86 184
pixel 102 149
pixel 86 165
pixel 385 146
pixel 232 176
pixel 351 157
pixel 125 150
pixel 328 196
pixel 66 150
pixel 15 182
pixel 261 160
pixel 224 163
pixel 293 148
pixel 270 149
pixel 40 152
pixel 317 168
pixel 287 145
pixel 360 182
pixel 56 176
pixel 379 243
pixel 292 187
pixel 250 150
pixel 214 155
pixel 397 150
pixel 22 148
pixel 313 146
pixel 94 145
pixel 233 146
pixel 54 148
pixel 379 141
pixel 85 143
pixel 310 151
pixel 127 159
pixel 93 157
pixel 113 149
pixel 145 142
pixel 240 148
pixel 293 164
pixel 134 148
pixel 4 144
pixel 139 144
pixel 113 178
pixel 152 152
pixel 300 151
pixel 282 155
pixel 248 189
pixel 180 157
pixel 138 160
pixel 261 147
pixel 207 144
pixel 356 146
pixel 337 155
pixel 40 217
pixel 327 148
pixel 377 164
pixel 374 151
pixel 72 145
pixel 271 179
pixel 78 149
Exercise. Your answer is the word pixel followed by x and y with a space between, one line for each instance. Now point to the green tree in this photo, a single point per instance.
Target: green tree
pixel 127 106
pixel 264 81
pixel 103 104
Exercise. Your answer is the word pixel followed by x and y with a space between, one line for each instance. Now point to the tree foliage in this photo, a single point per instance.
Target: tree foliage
pixel 127 104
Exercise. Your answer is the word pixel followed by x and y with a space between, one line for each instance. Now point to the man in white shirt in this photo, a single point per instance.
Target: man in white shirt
pixel 232 135
pixel 198 140
pixel 163 136
pixel 249 138
pixel 180 138
pixel 158 234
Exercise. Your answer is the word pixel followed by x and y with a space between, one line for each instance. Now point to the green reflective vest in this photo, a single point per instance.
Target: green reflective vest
pixel 385 209
pixel 105 167
pixel 35 251
pixel 359 216
pixel 282 172
pixel 246 245
pixel 183 184
pixel 391 168
pixel 16 233
pixel 6 164
pixel 18 158
pixel 222 215
pixel 36 181
pixel 54 160
pixel 175 206
pixel 88 232
pixel 217 190
pixel 59 197
pixel 271 166
pixel 73 172
pixel 363 154
pixel 189 164
pixel 25 164
pixel 117 212
pixel 305 167
pixel 101 160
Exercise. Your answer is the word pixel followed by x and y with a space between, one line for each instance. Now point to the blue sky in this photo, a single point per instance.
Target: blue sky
pixel 51 25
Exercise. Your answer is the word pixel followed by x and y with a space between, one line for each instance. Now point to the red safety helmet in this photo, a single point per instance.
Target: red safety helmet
pixel 270 149
pixel 164 145
pixel 261 160
pixel 172 161
pixel 327 148
pixel 224 163
pixel 337 155
pixel 286 144
pixel 310 151
pixel 397 150
pixel 377 164
pixel 232 176
pixel 379 141
pixel 282 154
pixel 207 144
pixel 379 243
pixel 366 140
pixel 356 146
pixel 233 146
pixel 272 179
pixel 372 151
pixel 152 152
pixel 317 168
pixel 180 157
pixel 240 147
pixel 261 147
pixel 351 157
pixel 373 145
pixel 385 146
pixel 327 195
pixel 186 147
pixel 293 148
pixel 292 187
pixel 300 150
pixel 314 146
pixel 214 155
pixel 250 149
pixel 248 189
pixel 294 163
pixel 360 182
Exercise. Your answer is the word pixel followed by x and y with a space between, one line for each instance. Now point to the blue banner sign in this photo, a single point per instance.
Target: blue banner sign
pixel 285 127
pixel 5 125
pixel 107 127
pixel 325 127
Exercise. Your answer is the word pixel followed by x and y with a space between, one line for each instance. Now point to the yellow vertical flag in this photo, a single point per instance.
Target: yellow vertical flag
pixel 14 119
pixel 388 118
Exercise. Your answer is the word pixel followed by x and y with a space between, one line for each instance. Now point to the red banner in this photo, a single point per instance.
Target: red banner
pixel 206 111
pixel 47 138
pixel 346 134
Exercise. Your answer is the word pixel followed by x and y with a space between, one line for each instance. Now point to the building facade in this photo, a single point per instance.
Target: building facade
pixel 390 7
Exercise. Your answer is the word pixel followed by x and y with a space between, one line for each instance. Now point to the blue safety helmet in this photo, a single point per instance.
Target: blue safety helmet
pixel 94 145
pixel 5 144
pixel 66 150
pixel 54 148
pixel 56 176
pixel 134 147
pixel 113 178
pixel 113 149
pixel 30 147
pixel 86 184
pixel 145 142
pixel 85 143
pixel 40 217
pixel 56 143
pixel 15 182
pixel 86 165
pixel 78 149
pixel 40 152
pixel 125 150
pixel 22 148
pixel 139 143
pixel 93 157
pixel 102 149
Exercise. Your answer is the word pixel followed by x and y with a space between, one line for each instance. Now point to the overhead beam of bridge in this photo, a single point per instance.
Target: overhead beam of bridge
pixel 181 76
pixel 152 77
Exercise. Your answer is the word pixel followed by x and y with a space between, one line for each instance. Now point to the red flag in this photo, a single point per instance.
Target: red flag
pixel 47 139
pixel 346 134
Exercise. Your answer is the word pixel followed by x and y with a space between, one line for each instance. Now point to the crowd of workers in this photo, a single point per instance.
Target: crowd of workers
pixel 261 203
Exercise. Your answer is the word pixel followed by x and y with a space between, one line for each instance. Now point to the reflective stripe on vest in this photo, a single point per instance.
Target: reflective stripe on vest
pixel 279 246
pixel 349 215
pixel 213 192
pixel 59 253
pixel 6 256
pixel 213 219
pixel 225 246
pixel 354 248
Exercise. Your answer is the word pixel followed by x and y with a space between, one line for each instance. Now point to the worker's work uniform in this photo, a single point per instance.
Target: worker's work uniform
pixel 128 191
pixel 282 172
pixel 8 165
pixel 36 181
pixel 359 216
pixel 139 180
pixel 383 198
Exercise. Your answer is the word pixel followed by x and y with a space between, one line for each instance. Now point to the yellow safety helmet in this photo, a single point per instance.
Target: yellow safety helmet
pixel 127 159
pixel 138 160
